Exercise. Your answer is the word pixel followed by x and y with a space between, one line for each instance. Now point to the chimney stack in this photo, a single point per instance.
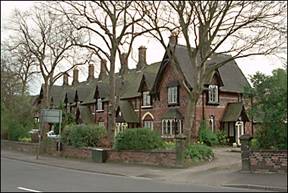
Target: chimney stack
pixel 124 63
pixel 75 76
pixel 90 72
pixel 173 39
pixel 142 58
pixel 65 79
pixel 103 70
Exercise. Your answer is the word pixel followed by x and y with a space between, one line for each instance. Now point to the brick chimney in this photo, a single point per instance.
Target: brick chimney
pixel 65 79
pixel 142 58
pixel 103 70
pixel 173 39
pixel 90 72
pixel 75 76
pixel 124 63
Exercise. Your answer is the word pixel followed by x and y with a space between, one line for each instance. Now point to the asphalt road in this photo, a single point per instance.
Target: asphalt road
pixel 19 176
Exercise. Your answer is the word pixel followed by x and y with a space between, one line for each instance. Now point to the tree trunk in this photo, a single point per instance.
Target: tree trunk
pixel 111 112
pixel 190 129
pixel 45 103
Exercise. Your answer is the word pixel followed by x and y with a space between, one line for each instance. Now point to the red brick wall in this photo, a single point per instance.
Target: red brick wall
pixel 79 153
pixel 268 161
pixel 161 106
pixel 156 158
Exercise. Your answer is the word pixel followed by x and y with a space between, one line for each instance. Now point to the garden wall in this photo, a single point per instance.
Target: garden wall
pixel 156 158
pixel 268 161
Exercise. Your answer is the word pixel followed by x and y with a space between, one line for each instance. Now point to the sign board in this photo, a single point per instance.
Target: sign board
pixel 51 115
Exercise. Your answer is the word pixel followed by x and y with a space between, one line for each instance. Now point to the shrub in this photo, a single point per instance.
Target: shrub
pixel 138 139
pixel 206 135
pixel 254 144
pixel 16 130
pixel 199 152
pixel 169 145
pixel 25 139
pixel 221 137
pixel 83 135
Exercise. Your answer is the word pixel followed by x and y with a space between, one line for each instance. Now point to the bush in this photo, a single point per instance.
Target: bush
pixel 221 137
pixel 206 135
pixel 16 130
pixel 169 145
pixel 25 139
pixel 138 139
pixel 199 152
pixel 83 135
pixel 16 118
pixel 254 144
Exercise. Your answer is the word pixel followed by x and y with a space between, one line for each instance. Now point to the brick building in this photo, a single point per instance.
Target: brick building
pixel 152 96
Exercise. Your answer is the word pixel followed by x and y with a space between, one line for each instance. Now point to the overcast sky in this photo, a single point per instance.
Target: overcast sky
pixel 249 66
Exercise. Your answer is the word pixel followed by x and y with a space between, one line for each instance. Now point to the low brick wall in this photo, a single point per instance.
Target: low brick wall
pixel 79 153
pixel 68 151
pixel 19 146
pixel 268 161
pixel 156 158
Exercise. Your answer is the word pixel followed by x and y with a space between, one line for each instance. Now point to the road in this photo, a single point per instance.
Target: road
pixel 20 176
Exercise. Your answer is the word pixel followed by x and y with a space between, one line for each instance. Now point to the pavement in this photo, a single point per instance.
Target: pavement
pixel 224 170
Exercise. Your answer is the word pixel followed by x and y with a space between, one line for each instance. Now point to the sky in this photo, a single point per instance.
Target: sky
pixel 155 52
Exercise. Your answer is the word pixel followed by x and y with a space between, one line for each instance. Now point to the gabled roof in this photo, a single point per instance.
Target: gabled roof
pixel 234 111
pixel 85 114
pixel 127 112
pixel 232 77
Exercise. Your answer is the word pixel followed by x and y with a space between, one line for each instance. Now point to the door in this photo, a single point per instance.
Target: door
pixel 239 131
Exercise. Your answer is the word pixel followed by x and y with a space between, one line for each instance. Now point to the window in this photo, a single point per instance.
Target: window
pixel 213 94
pixel 99 104
pixel 148 124
pixel 146 99
pixel 212 122
pixel 101 124
pixel 231 131
pixel 173 95
pixel 171 126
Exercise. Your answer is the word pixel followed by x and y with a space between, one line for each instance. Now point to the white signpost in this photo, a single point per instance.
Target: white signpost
pixel 49 116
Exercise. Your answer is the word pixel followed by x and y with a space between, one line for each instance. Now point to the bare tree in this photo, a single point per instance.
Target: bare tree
pixel 21 62
pixel 237 28
pixel 49 37
pixel 113 27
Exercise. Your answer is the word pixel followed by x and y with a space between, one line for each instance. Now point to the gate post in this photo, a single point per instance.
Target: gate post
pixel 245 152
pixel 180 149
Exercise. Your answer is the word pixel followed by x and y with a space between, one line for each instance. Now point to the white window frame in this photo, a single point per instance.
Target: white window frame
pixel 99 105
pixel 169 131
pixel 212 122
pixel 146 99
pixel 173 95
pixel 213 94
pixel 148 124
pixel 101 123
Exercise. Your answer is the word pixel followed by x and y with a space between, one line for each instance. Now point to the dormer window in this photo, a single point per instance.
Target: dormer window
pixel 172 95
pixel 99 104
pixel 146 99
pixel 213 94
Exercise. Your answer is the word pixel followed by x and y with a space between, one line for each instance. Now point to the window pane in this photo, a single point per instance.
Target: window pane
pixel 172 95
pixel 99 104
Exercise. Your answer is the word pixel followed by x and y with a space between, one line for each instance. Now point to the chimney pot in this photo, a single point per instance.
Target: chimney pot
pixel 65 79
pixel 103 69
pixel 173 39
pixel 124 63
pixel 142 58
pixel 75 76
pixel 90 72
